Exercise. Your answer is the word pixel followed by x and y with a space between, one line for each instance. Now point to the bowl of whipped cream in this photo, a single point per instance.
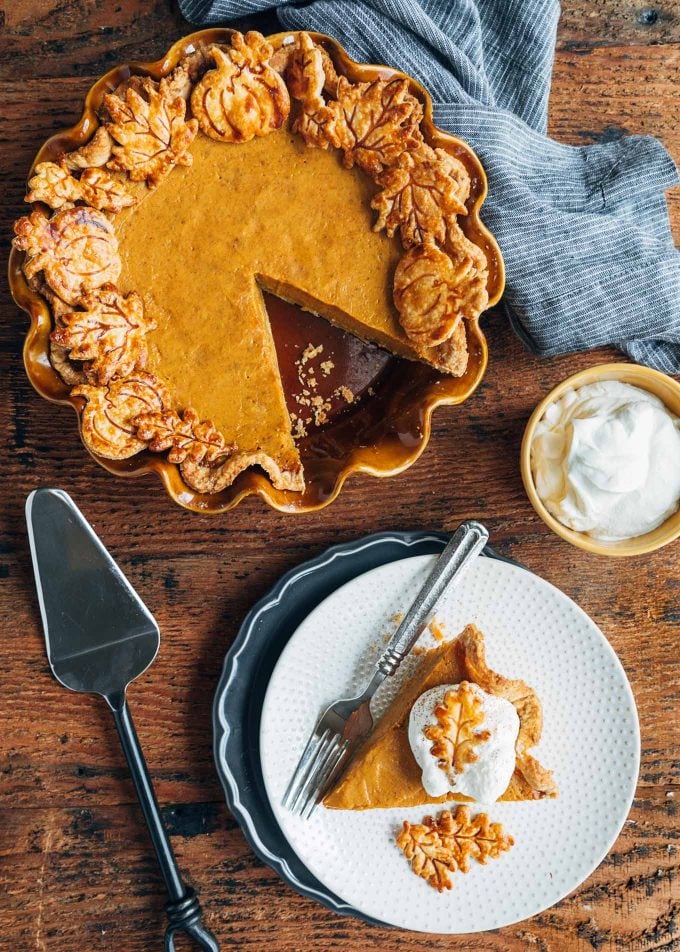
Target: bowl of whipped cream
pixel 600 459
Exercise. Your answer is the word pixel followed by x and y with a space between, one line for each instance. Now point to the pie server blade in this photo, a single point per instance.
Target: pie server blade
pixel 100 636
pixel 99 633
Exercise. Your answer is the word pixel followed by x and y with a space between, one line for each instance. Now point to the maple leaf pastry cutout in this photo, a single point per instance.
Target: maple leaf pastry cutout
pixel 419 193
pixel 151 133
pixel 107 425
pixel 55 185
pixel 108 335
pixel 379 121
pixel 443 845
pixel 242 97
pixel 76 249
pixel 185 435
pixel 456 734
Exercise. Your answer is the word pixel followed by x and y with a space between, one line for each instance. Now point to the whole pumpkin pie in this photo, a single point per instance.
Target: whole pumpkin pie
pixel 459 737
pixel 248 168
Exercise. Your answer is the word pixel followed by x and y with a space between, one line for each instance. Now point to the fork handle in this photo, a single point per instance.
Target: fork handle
pixel 464 546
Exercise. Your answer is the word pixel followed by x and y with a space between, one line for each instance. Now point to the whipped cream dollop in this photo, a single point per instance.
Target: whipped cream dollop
pixel 606 460
pixel 486 778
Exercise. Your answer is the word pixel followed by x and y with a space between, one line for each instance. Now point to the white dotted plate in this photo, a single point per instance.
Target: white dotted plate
pixel 590 739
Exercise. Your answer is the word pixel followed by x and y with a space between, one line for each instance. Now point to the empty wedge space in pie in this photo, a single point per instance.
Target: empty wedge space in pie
pixel 251 166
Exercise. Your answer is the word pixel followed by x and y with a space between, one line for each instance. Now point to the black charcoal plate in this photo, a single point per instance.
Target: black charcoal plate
pixel 247 669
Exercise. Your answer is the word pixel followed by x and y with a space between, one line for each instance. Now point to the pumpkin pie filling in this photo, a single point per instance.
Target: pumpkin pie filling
pixel 228 217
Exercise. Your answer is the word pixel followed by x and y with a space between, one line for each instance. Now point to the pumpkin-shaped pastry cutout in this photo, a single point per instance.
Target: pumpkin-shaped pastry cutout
pixel 76 249
pixel 243 97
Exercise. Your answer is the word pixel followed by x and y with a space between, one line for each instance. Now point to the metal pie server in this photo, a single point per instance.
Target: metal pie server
pixel 100 636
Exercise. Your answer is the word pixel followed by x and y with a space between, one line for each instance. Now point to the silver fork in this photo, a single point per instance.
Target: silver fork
pixel 346 722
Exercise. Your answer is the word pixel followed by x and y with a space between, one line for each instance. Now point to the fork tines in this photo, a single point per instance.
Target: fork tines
pixel 318 765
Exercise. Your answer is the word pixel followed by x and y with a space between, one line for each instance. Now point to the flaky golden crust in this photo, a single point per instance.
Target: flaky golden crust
pixel 451 356
pixel 525 701
pixel 213 479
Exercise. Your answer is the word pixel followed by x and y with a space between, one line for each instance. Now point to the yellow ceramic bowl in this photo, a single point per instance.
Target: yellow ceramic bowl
pixel 667 390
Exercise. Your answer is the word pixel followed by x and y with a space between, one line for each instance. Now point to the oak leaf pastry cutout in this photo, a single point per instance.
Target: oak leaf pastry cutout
pixel 151 132
pixel 445 844
pixel 185 435
pixel 54 185
pixel 108 335
pixel 242 97
pixel 456 734
pixel 419 192
pixel 107 422
pixel 76 249
pixel 379 121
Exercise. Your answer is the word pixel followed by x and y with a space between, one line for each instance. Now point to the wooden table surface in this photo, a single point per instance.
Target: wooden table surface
pixel 76 869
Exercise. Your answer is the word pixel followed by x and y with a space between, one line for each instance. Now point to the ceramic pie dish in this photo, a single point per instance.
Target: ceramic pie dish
pixel 174 363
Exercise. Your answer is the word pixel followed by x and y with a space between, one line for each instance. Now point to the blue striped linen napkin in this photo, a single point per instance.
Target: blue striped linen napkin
pixel 584 231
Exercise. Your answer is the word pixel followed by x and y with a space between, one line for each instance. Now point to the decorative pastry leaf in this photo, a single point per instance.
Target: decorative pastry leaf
pixel 419 193
pixel 106 422
pixel 104 191
pixel 93 154
pixel 76 249
pixel 109 334
pixel 444 844
pixel 317 120
pixel 455 735
pixel 213 478
pixel 186 436
pixel 243 96
pixel 53 184
pixel 380 120
pixel 151 133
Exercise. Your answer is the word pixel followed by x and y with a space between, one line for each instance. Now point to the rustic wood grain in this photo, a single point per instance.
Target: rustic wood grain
pixel 75 866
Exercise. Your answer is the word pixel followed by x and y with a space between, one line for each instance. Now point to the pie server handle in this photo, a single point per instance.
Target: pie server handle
pixel 183 908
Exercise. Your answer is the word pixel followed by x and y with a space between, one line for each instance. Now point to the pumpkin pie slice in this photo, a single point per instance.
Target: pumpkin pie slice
pixel 383 772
